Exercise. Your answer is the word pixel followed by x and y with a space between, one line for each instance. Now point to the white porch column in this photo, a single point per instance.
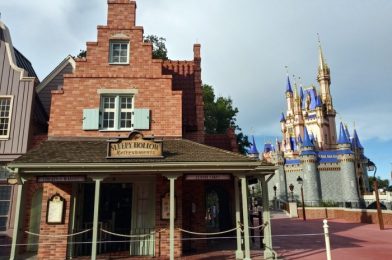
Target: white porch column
pixel 244 191
pixel 239 254
pixel 95 218
pixel 268 253
pixel 172 178
pixel 16 222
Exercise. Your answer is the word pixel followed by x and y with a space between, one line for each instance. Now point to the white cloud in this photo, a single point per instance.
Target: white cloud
pixel 245 46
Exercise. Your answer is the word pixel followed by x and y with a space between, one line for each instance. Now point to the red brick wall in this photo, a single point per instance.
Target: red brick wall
pixel 187 78
pixel 54 248
pixel 170 89
pixel 352 215
pixel 226 141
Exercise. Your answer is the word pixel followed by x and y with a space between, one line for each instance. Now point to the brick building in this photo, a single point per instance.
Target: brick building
pixel 125 170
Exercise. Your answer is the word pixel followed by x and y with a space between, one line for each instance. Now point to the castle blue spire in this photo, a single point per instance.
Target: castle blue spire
pixel 288 86
pixel 347 132
pixel 356 143
pixel 299 139
pixel 301 93
pixel 318 102
pixel 342 135
pixel 282 119
pixel 253 149
pixel 307 142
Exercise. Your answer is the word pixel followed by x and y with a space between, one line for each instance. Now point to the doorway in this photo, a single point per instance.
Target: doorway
pixel 219 215
pixel 35 221
pixel 115 213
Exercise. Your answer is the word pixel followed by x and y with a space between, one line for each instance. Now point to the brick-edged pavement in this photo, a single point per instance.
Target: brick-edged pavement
pixel 348 240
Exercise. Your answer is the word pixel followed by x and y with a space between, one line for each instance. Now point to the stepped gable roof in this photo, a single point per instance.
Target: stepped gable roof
pixel 253 148
pixel 355 142
pixel 343 139
pixel 307 141
pixel 95 152
pixel 24 63
pixel 288 86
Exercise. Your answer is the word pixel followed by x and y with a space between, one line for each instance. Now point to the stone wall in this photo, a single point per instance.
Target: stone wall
pixel 331 189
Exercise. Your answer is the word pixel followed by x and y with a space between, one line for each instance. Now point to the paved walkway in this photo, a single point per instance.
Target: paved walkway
pixel 348 240
pixel 297 239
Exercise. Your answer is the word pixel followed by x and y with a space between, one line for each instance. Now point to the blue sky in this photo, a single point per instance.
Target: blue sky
pixel 245 48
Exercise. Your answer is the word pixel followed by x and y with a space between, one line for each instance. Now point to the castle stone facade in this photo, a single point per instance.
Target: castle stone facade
pixel 333 167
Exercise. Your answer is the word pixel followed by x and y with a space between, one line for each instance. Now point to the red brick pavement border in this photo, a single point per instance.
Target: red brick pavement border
pixel 348 240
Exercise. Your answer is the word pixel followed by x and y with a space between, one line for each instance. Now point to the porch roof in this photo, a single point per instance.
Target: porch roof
pixel 176 152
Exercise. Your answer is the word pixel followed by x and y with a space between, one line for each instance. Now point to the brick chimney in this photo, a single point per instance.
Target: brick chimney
pixel 196 51
pixel 121 14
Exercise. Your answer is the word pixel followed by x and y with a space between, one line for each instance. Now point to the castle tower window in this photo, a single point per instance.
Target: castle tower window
pixel 5 115
pixel 119 52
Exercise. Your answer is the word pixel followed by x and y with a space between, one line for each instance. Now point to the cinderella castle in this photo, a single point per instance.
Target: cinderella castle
pixel 332 165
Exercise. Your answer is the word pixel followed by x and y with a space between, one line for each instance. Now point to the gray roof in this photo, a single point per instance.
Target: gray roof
pixel 95 152
pixel 24 63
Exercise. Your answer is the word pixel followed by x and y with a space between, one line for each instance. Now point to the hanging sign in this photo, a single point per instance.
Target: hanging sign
pixel 61 178
pixel 134 146
pixel 207 177
pixel 56 210
pixel 165 207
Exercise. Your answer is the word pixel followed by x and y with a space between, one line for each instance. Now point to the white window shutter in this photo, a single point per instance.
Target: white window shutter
pixel 141 119
pixel 91 119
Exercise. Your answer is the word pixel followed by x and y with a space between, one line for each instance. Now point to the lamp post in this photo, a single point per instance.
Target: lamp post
pixel 291 187
pixel 275 199
pixel 373 167
pixel 301 182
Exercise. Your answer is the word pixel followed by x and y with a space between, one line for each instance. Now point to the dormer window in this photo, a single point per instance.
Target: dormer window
pixel 119 52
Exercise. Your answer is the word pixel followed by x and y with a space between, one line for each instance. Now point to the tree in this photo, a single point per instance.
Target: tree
pixel 82 54
pixel 382 184
pixel 219 115
pixel 159 50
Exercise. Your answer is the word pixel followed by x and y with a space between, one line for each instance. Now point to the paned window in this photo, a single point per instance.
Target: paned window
pixel 119 52
pixel 116 112
pixel 5 115
pixel 5 200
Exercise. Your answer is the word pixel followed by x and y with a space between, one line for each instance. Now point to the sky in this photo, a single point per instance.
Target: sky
pixel 245 48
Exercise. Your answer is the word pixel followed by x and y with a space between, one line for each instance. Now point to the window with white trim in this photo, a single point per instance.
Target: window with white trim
pixel 116 112
pixel 5 115
pixel 5 200
pixel 119 52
